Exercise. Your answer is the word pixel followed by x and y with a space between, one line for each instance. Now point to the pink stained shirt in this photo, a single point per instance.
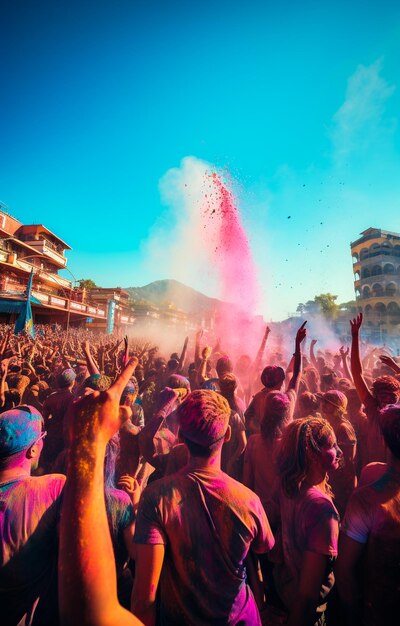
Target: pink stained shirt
pixel 207 522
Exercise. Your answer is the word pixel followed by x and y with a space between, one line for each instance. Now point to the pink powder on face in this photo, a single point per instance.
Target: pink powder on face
pixel 232 261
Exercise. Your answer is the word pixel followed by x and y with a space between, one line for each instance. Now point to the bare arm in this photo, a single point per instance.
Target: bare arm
pixel 347 578
pixel 355 362
pixel 300 336
pixel 312 354
pixel 182 358
pixel 313 571
pixel 390 362
pixel 149 560
pixel 240 448
pixel 261 349
pixel 168 399
pixel 345 364
pixel 202 371
pixel 91 365
pixel 197 358
pixel 86 559
pixel 3 384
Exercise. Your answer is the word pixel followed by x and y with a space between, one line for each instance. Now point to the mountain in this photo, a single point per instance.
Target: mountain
pixel 169 291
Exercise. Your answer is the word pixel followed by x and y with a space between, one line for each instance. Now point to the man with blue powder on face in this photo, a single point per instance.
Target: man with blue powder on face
pixel 29 513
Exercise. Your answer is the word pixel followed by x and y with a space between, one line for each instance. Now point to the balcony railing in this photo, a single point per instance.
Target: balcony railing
pixel 56 302
pixel 48 250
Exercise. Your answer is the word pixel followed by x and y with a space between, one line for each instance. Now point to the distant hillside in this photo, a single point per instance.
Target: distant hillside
pixel 172 291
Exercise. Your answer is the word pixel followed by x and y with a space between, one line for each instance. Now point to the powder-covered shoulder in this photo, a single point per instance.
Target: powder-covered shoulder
pixel 318 505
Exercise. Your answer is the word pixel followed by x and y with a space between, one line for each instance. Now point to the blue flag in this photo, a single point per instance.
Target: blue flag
pixel 25 320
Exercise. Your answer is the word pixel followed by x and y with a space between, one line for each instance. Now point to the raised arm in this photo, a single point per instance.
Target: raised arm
pixel 300 336
pixel 91 365
pixel 345 364
pixel 261 349
pixel 86 558
pixel 197 358
pixel 202 371
pixel 390 362
pixel 182 358
pixel 355 361
pixel 167 403
pixel 312 354
pixel 3 384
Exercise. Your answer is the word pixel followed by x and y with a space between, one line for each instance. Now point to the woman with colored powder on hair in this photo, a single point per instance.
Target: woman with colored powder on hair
pixel 309 521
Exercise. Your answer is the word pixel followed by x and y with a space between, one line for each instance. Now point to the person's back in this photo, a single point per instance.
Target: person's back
pixel 370 533
pixel 54 411
pixel 206 521
pixel 29 514
pixel 259 472
pixel 373 518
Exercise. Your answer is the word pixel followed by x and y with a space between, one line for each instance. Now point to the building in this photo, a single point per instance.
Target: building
pixel 119 311
pixel 376 266
pixel 33 246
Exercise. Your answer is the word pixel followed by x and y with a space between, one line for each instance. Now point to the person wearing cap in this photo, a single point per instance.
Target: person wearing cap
pixel 29 514
pixel 370 537
pixel 272 378
pixel 54 412
pixel 194 529
pixel 343 480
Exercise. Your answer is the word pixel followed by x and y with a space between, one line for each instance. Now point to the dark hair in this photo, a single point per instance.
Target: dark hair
pixel 388 384
pixel 308 402
pixel 390 427
pixel 224 366
pixel 204 452
pixel 276 415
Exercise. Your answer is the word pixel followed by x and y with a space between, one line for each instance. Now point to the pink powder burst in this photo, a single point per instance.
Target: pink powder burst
pixel 231 257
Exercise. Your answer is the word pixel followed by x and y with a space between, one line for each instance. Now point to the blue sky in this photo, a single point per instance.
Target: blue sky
pixel 299 100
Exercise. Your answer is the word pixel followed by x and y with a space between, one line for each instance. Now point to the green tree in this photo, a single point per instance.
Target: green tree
pixel 309 308
pixel 86 283
pixel 327 305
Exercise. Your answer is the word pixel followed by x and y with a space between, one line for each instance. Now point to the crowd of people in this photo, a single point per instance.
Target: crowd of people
pixel 197 487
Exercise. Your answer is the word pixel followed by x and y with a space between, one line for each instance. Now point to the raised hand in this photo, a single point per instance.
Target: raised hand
pixel 97 416
pixel 343 353
pixel 131 486
pixel 125 359
pixel 206 352
pixel 390 362
pixel 167 398
pixel 4 367
pixel 85 346
pixel 301 334
pixel 355 324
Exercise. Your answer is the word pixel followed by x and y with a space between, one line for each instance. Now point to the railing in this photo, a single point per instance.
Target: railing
pixel 56 302
pixel 47 249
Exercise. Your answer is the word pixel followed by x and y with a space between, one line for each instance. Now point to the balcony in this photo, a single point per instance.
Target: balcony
pixel 48 250
pixel 55 302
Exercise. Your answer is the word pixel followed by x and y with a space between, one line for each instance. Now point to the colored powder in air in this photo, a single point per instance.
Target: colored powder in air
pixel 231 259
